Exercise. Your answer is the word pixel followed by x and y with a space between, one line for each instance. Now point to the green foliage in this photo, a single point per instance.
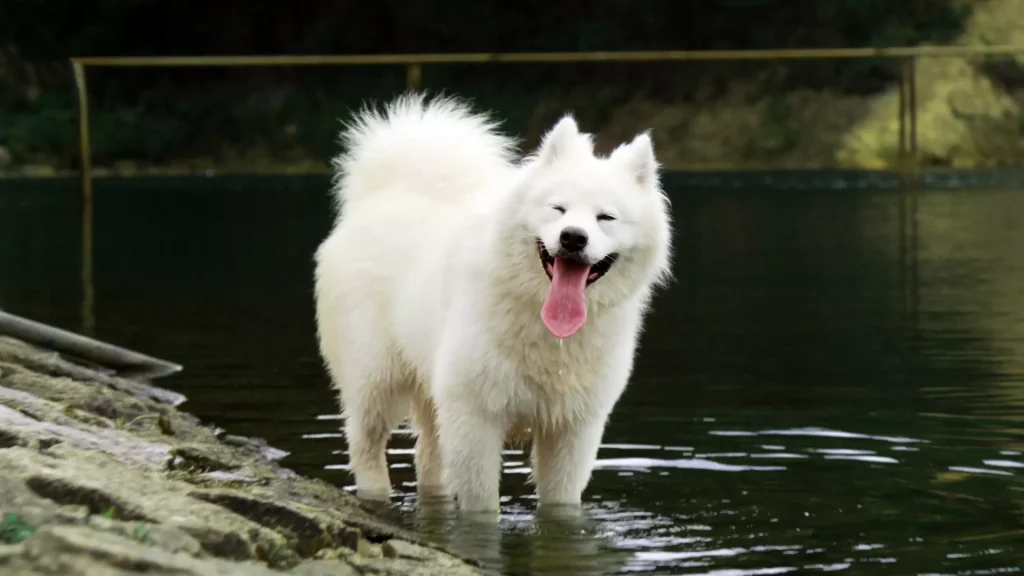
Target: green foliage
pixel 780 132
pixel 152 116
pixel 14 530
pixel 52 29
pixel 141 532
pixel 43 132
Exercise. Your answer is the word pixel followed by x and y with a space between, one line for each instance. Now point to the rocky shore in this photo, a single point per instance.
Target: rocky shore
pixel 100 475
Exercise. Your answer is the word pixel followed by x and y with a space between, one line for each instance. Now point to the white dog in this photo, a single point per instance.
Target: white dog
pixel 483 297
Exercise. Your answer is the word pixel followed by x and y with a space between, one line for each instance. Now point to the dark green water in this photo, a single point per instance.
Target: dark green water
pixel 821 389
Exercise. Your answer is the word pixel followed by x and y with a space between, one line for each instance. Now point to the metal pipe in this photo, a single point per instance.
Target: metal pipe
pixel 101 353
pixel 552 57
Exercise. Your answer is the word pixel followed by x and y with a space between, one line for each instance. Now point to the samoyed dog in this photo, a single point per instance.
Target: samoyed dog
pixel 483 296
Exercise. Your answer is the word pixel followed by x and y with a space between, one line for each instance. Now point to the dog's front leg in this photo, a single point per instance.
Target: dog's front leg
pixel 471 440
pixel 563 459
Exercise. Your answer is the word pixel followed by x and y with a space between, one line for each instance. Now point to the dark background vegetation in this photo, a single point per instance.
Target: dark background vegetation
pixel 159 115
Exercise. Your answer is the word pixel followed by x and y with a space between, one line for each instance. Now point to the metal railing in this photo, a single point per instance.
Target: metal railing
pixel 907 163
pixel 414 63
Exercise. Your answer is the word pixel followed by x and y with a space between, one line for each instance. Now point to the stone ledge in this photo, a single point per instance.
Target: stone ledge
pixel 103 475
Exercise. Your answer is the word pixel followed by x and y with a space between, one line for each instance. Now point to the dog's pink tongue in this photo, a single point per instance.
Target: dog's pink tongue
pixel 565 310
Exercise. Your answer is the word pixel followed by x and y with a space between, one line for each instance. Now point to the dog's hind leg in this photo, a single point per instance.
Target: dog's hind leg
pixel 366 369
pixel 429 478
pixel 372 408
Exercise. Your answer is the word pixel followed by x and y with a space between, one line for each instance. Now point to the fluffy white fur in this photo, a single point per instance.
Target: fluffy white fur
pixel 430 286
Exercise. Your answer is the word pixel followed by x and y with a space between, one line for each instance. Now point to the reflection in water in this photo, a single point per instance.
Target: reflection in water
pixel 524 541
pixel 816 392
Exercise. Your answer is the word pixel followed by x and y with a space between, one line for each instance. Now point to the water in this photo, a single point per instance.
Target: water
pixel 817 391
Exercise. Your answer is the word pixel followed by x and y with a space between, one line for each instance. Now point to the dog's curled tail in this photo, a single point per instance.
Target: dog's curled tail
pixel 438 147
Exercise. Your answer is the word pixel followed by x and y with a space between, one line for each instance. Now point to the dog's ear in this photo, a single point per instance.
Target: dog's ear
pixel 637 157
pixel 559 140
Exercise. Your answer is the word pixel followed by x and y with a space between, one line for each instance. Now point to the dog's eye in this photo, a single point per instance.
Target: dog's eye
pixel 605 217
pixel 558 209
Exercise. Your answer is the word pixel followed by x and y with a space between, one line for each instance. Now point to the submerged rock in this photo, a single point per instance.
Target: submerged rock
pixel 103 475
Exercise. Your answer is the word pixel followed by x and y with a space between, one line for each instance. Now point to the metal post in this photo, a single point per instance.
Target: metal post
pixel 84 148
pixel 901 169
pixel 413 77
pixel 914 174
pixel 901 156
pixel 85 177
pixel 88 282
pixel 912 102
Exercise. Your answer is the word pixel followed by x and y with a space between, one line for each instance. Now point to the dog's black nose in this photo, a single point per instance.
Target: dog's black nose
pixel 573 239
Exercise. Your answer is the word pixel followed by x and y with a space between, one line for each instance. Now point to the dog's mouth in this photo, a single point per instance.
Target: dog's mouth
pixel 597 270
pixel 565 309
